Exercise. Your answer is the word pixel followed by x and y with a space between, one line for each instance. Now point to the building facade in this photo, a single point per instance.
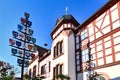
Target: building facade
pixel 83 51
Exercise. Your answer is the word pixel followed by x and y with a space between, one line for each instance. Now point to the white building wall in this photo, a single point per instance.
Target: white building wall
pixel 71 57
pixel 63 59
pixel 43 62
pixel 68 58
pixel 112 72
pixel 32 65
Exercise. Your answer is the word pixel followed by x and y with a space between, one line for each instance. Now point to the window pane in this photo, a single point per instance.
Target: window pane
pixel 58 48
pixel 61 47
pixel 54 72
pixel 85 55
pixel 77 46
pixel 61 66
pixel 43 69
pixel 78 68
pixel 82 37
pixel 83 58
pixel 77 39
pixel 83 34
pixel 49 65
pixel 34 71
pixel 77 57
pixel 58 69
pixel 30 72
pixel 78 62
pixel 55 51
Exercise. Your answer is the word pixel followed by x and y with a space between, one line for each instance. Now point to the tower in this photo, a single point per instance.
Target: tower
pixel 63 46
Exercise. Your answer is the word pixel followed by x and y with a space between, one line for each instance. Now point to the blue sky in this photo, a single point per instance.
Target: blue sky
pixel 43 14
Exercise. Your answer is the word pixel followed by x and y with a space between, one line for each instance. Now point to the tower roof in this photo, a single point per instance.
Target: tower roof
pixel 41 50
pixel 65 19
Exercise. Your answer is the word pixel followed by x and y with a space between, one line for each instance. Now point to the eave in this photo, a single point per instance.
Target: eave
pixel 107 6
pixel 65 19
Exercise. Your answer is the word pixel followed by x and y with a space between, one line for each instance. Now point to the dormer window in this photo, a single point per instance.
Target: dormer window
pixel 58 49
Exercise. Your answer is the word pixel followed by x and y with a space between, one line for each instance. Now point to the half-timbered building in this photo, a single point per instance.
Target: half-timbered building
pixel 98 44
pixel 85 51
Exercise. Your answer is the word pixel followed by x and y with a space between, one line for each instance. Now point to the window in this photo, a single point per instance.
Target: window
pixel 84 34
pixel 30 73
pixel 58 49
pixel 61 69
pixel 85 55
pixel 34 71
pixel 49 65
pixel 54 72
pixel 77 46
pixel 55 51
pixel 77 38
pixel 58 69
pixel 43 69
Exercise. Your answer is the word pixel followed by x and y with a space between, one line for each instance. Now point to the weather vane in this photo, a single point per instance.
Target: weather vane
pixel 66 10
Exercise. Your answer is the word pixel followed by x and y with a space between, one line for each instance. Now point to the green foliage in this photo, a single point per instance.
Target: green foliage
pixel 8 77
pixel 7 71
pixel 35 78
pixel 27 77
pixel 5 68
pixel 61 76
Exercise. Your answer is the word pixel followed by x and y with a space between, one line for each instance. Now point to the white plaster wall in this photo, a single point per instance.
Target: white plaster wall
pixel 43 62
pixel 115 14
pixel 68 58
pixel 71 57
pixel 113 71
pixel 32 65
pixel 62 59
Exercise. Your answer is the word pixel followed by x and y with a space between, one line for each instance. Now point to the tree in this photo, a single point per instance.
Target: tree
pixel 10 76
pixel 7 71
pixel 27 77
pixel 5 68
